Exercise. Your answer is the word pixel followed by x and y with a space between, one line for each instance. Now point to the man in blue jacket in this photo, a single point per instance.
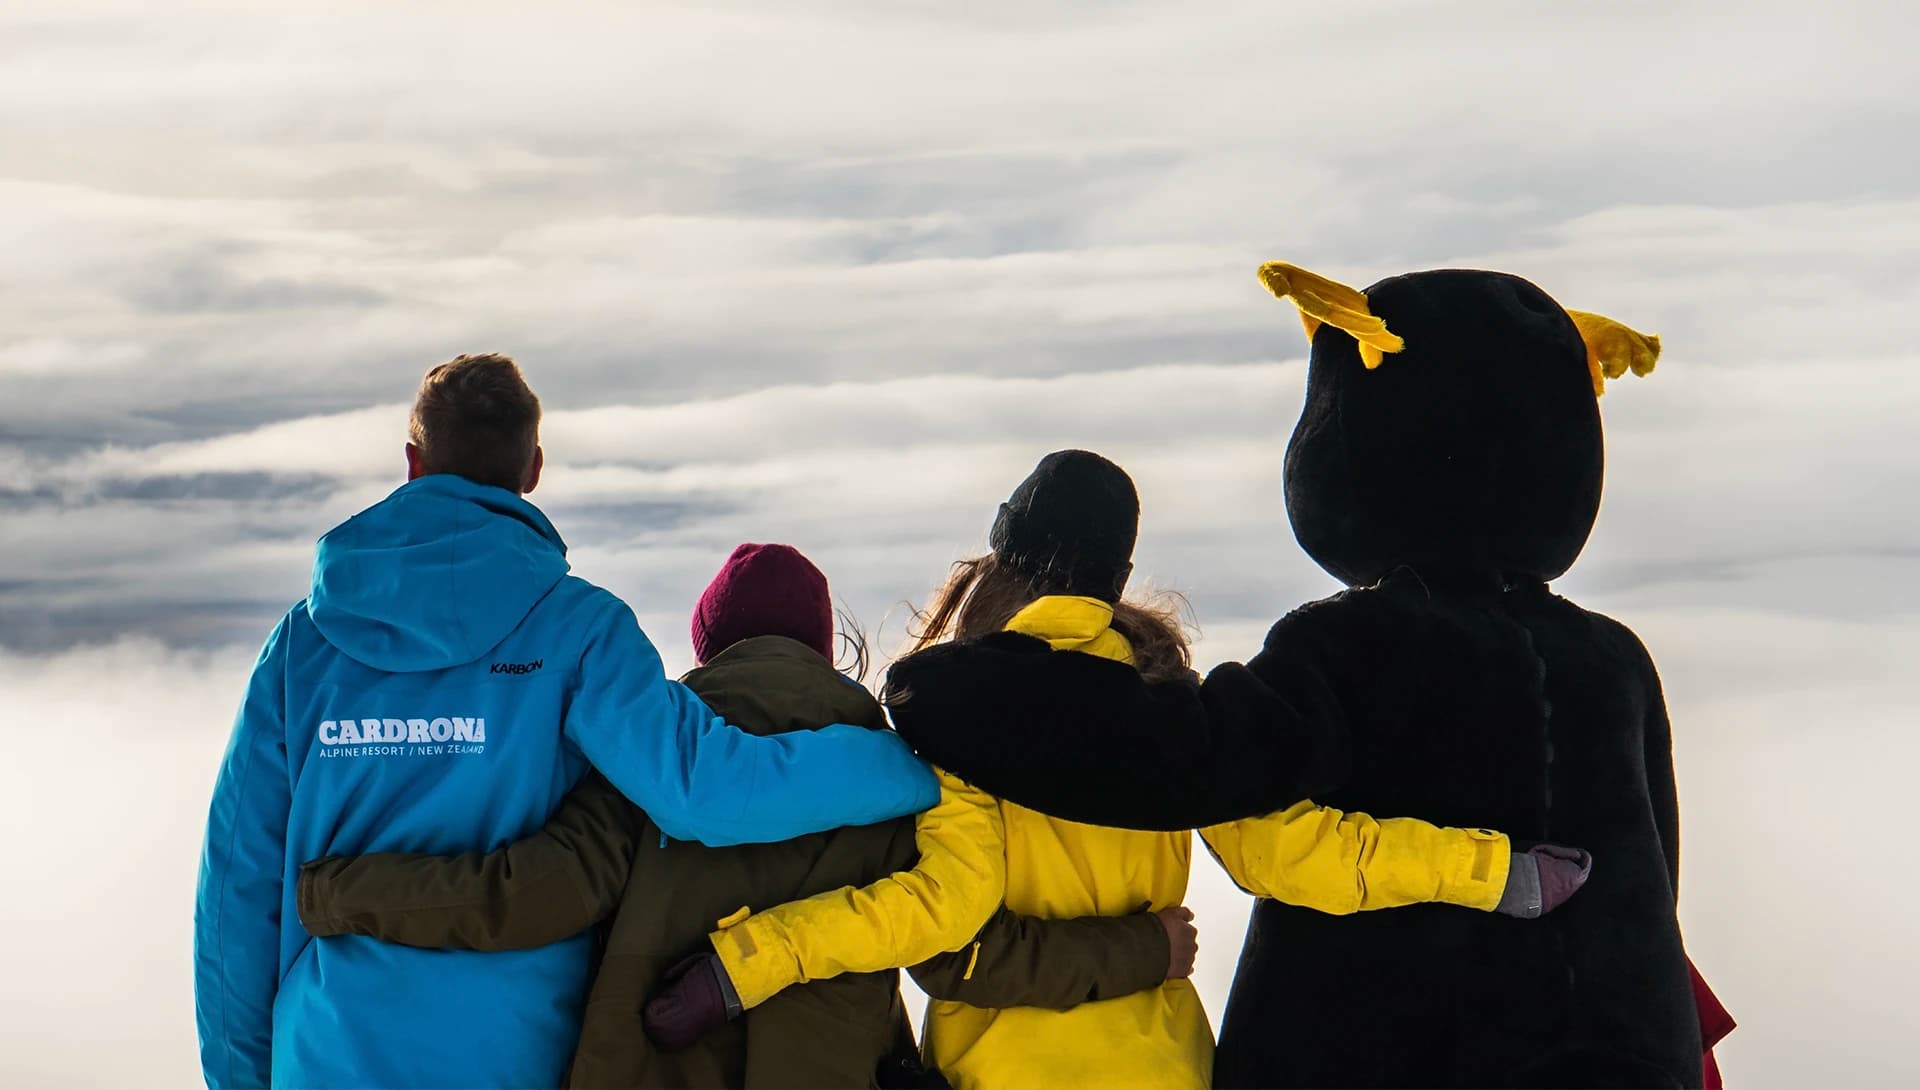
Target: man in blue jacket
pixel 443 685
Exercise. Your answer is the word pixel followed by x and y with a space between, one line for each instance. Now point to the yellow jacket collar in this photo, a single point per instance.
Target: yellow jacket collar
pixel 1072 623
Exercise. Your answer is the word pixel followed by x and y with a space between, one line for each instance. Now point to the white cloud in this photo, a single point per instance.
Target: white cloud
pixel 836 274
pixel 112 753
pixel 1792 461
pixel 1792 742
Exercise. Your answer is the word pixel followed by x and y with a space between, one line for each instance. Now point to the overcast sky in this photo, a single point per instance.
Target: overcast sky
pixel 838 274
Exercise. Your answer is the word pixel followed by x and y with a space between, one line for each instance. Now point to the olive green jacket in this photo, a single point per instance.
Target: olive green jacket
pixel 599 860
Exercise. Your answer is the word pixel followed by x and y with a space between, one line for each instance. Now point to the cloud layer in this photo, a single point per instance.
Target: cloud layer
pixel 837 274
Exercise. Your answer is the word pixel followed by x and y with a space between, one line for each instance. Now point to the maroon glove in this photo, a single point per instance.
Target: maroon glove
pixel 1562 872
pixel 1542 878
pixel 694 997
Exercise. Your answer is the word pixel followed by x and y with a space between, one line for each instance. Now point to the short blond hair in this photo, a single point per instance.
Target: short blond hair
pixel 476 417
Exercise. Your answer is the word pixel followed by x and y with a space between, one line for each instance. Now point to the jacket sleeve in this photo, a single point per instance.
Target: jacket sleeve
pixel 1088 739
pixel 538 890
pixel 1661 788
pixel 236 918
pixel 701 779
pixel 1024 961
pixel 1320 858
pixel 900 920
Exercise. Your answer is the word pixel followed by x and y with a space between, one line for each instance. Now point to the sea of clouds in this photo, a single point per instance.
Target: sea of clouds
pixel 837 274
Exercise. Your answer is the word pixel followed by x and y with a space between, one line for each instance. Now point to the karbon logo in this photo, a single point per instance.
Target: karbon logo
pixel 517 667
pixel 414 737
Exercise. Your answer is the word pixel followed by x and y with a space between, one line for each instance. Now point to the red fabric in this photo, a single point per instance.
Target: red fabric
pixel 764 590
pixel 1715 1024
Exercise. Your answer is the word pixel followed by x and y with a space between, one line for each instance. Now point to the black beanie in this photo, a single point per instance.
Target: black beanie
pixel 1070 526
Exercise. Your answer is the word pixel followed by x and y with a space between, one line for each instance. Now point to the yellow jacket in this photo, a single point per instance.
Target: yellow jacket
pixel 976 853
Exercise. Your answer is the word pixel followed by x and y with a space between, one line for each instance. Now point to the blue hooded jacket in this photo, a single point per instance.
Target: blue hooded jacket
pixel 445 683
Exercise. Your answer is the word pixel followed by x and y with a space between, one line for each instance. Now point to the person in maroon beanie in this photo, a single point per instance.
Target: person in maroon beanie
pixel 764 635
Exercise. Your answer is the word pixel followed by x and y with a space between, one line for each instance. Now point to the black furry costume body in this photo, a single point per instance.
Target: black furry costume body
pixel 1447 485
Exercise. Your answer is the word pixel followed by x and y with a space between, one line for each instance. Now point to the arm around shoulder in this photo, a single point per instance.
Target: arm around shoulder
pixel 900 920
pixel 1321 858
pixel 1089 739
pixel 1025 961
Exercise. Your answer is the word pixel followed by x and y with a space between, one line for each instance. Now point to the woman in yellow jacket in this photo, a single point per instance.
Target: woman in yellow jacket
pixel 1061 556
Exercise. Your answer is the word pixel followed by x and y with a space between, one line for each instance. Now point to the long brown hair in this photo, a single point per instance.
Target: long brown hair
pixel 850 645
pixel 981 595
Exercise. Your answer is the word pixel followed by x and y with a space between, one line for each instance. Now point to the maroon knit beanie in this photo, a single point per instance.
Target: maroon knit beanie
pixel 764 590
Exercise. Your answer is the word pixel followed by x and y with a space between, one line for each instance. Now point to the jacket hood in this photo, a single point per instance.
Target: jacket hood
pixel 1073 623
pixel 433 576
pixel 773 685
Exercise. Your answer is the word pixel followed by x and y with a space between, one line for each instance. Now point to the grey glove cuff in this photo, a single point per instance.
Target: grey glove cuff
pixel 1521 898
pixel 731 995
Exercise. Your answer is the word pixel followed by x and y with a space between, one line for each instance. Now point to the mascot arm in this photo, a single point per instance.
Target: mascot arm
pixel 1661 788
pixel 1089 739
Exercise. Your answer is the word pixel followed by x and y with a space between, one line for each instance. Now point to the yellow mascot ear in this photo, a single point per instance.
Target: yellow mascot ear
pixel 1322 300
pixel 1614 349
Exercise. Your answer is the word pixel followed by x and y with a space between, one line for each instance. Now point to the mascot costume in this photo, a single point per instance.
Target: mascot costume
pixel 1446 467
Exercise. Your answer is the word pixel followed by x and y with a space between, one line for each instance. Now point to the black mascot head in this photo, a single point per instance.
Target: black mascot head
pixel 1450 427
